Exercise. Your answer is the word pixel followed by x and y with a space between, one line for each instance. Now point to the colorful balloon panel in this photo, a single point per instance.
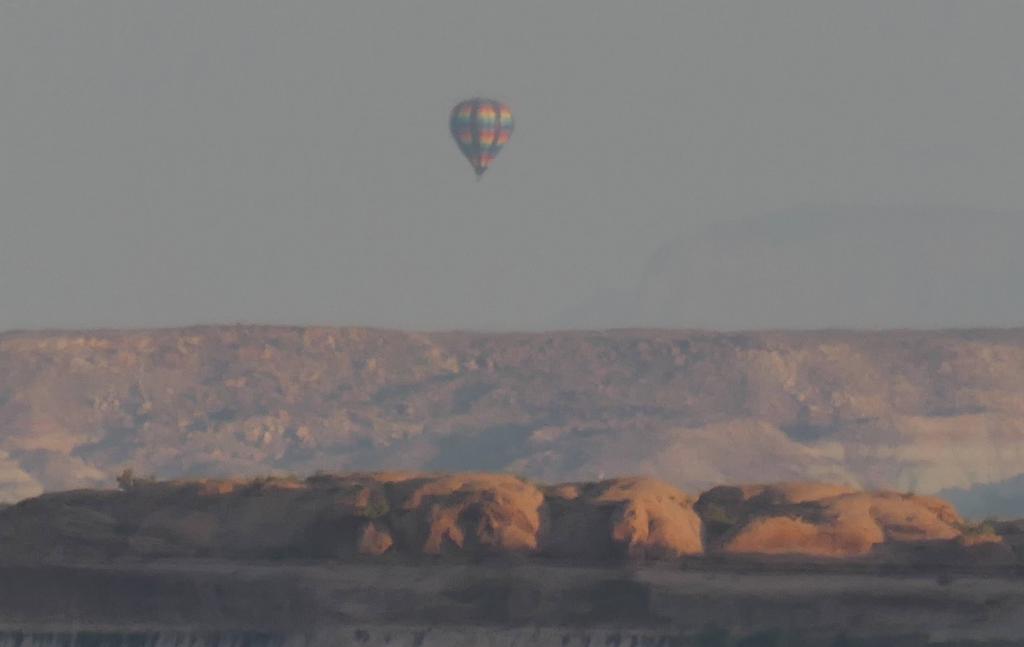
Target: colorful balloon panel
pixel 481 127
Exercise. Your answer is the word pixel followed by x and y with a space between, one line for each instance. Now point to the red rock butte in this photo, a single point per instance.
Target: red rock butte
pixel 382 516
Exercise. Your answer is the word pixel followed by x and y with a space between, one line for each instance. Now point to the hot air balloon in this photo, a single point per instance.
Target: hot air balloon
pixel 480 128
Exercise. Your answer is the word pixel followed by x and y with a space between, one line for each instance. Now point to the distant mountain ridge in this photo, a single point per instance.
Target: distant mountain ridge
pixel 921 411
pixel 1002 499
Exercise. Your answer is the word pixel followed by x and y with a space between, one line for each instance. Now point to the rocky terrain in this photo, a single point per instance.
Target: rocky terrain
pixel 411 517
pixel 418 560
pixel 910 411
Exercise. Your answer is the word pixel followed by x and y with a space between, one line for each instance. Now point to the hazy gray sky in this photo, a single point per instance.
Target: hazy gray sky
pixel 725 164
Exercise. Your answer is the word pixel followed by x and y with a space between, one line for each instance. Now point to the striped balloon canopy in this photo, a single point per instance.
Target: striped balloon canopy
pixel 480 128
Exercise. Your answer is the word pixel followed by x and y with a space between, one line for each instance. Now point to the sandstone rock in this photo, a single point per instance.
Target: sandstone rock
pixel 15 483
pixel 476 513
pixel 335 516
pixel 374 541
pixel 920 411
pixel 417 516
pixel 824 521
pixel 634 517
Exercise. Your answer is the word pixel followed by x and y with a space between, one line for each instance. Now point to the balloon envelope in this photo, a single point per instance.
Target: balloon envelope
pixel 480 128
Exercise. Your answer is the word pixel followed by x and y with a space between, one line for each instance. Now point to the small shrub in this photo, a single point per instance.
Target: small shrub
pixel 719 516
pixel 986 527
pixel 128 481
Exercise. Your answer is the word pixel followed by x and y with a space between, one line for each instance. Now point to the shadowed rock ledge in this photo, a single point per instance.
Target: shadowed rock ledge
pixel 413 516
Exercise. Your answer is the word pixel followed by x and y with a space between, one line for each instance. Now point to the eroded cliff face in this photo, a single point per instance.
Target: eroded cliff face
pixel 410 516
pixel 821 520
pixel 920 411
pixel 356 516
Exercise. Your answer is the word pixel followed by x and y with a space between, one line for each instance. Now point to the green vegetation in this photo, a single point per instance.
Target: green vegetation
pixel 718 520
pixel 712 513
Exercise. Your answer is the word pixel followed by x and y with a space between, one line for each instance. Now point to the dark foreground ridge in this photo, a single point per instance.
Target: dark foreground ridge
pixel 217 604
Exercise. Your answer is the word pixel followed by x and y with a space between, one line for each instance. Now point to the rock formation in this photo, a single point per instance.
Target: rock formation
pixel 834 521
pixel 909 411
pixel 453 516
